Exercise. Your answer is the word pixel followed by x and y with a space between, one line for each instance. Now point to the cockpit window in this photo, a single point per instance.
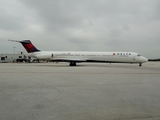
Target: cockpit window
pixel 139 55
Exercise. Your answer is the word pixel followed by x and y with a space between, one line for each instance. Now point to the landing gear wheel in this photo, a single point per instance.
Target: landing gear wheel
pixel 140 64
pixel 72 63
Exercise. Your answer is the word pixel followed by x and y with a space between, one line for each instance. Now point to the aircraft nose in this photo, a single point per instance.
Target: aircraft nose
pixel 144 59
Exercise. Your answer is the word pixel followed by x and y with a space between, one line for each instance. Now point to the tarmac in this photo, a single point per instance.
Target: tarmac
pixel 88 91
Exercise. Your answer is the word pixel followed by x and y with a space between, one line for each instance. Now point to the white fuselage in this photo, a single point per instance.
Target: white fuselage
pixel 69 56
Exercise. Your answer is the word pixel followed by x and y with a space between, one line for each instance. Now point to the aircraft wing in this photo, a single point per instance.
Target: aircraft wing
pixel 72 60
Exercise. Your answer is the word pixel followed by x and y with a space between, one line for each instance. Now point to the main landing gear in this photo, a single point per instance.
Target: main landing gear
pixel 140 64
pixel 72 64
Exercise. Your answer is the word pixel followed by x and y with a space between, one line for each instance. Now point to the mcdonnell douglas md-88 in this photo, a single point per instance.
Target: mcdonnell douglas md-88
pixel 74 57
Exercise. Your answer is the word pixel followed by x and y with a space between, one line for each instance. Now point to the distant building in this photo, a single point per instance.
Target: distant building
pixel 19 57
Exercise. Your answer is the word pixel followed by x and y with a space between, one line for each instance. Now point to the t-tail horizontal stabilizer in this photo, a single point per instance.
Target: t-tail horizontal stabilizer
pixel 27 44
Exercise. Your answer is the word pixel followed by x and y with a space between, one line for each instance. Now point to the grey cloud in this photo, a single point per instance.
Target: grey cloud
pixel 94 25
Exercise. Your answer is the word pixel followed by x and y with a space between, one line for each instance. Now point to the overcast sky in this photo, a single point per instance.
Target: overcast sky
pixel 82 25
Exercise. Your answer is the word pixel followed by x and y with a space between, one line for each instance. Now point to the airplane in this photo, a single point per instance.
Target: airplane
pixel 74 57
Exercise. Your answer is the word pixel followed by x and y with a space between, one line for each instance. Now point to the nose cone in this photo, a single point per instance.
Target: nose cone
pixel 144 59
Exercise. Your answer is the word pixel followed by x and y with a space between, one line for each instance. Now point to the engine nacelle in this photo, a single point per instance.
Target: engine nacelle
pixel 44 56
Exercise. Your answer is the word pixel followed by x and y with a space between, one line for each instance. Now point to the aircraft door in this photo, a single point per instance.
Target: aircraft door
pixel 134 58
pixel 52 55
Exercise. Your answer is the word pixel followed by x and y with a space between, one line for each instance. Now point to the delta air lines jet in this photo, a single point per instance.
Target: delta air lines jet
pixel 74 57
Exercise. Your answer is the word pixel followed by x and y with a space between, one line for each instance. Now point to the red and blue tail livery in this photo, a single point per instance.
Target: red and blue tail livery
pixel 27 44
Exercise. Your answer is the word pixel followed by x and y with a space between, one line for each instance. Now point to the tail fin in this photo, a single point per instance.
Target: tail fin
pixel 27 44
